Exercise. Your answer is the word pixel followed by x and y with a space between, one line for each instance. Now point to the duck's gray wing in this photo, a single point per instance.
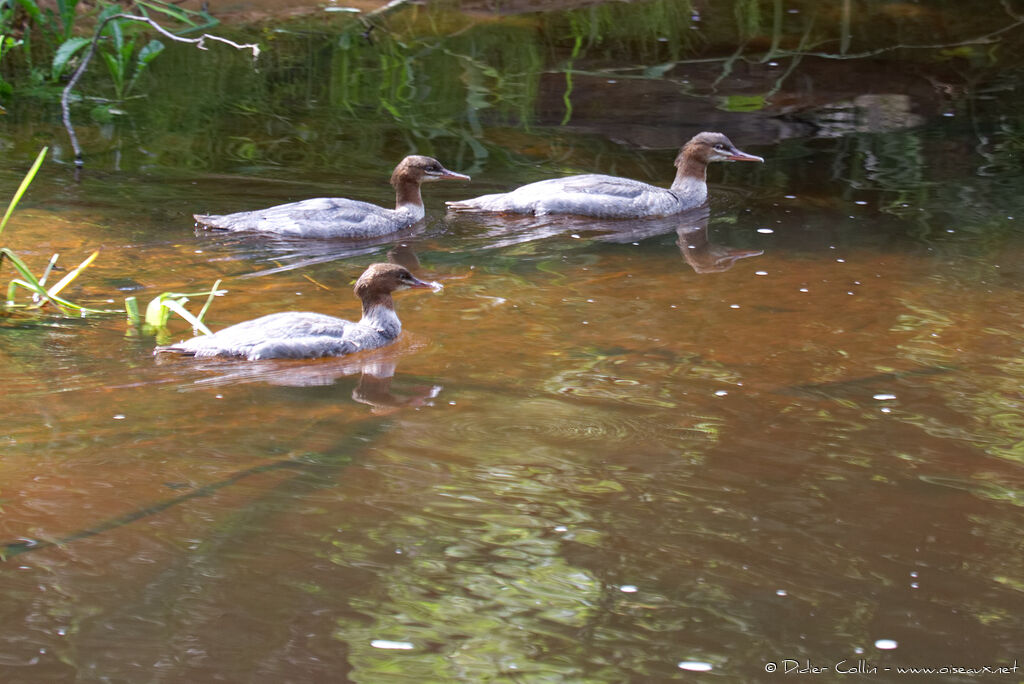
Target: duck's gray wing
pixel 319 217
pixel 611 186
pixel 290 334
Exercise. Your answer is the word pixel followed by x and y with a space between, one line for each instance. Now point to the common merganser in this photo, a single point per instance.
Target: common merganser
pixel 305 335
pixel 613 197
pixel 337 217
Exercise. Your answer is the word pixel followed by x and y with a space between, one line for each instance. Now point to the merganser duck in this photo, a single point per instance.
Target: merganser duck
pixel 305 335
pixel 613 197
pixel 337 217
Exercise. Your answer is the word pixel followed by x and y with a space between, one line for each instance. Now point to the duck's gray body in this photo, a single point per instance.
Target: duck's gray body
pixel 594 195
pixel 295 335
pixel 323 217
pixel 611 197
pixel 308 335
pixel 339 217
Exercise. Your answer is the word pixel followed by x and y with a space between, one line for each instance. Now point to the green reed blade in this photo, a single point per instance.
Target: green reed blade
pixel 29 282
pixel 19 265
pixel 209 300
pixel 131 307
pixel 72 274
pixel 176 306
pixel 23 187
pixel 36 289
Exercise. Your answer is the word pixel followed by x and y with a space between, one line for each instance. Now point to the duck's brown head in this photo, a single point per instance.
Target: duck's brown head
pixel 708 147
pixel 380 280
pixel 420 169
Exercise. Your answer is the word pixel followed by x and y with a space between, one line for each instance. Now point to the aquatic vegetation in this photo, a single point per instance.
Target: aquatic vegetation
pixel 157 312
pixel 41 295
pixel 160 308
pixel 52 35
pixel 6 42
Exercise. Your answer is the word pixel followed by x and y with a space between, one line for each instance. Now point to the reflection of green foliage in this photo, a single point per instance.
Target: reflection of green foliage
pixel 748 17
pixel 743 103
pixel 647 33
pixel 6 43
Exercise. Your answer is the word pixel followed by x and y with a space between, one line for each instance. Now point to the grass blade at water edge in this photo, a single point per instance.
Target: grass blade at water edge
pixel 72 274
pixel 23 187
pixel 209 300
pixel 177 308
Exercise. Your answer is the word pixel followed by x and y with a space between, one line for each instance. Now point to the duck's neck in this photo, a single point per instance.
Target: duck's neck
pixel 379 314
pixel 691 179
pixel 408 198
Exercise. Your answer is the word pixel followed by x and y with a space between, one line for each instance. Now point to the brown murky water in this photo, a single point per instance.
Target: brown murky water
pixel 784 434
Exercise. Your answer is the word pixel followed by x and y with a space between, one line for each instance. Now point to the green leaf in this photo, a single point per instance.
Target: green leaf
pixel 177 306
pixel 66 10
pixel 32 9
pixel 72 274
pixel 743 103
pixel 125 54
pixel 116 69
pixel 108 11
pixel 157 314
pixel 23 187
pixel 131 307
pixel 170 10
pixel 209 300
pixel 65 52
pixel 148 53
pixel 101 113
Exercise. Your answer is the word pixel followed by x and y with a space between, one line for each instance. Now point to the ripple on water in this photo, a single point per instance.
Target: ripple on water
pixel 543 421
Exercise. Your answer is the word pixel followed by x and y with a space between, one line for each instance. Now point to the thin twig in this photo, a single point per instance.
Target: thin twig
pixel 199 42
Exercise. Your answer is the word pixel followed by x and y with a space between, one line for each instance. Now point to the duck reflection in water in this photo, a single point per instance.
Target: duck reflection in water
pixel 703 255
pixel 691 227
pixel 376 369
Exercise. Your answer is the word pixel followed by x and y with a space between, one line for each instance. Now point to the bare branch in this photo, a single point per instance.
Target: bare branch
pixel 199 42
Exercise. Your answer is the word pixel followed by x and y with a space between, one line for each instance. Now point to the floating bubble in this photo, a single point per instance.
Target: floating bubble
pixel 393 645
pixel 695 666
pixel 886 644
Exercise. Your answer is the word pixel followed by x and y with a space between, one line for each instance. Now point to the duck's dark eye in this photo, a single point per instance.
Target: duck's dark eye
pixel 719 146
pixel 435 168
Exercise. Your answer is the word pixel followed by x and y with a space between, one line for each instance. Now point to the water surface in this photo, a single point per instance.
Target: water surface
pixel 788 427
